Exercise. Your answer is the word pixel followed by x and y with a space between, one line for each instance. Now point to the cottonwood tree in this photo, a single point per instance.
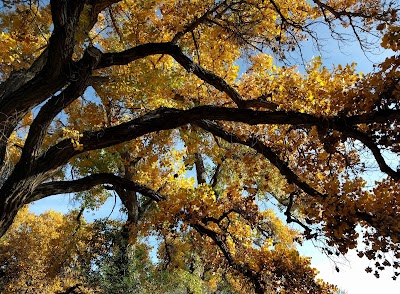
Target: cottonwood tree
pixel 129 96
pixel 45 252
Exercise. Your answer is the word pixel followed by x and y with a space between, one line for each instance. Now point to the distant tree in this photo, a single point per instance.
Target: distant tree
pixel 43 252
pixel 56 253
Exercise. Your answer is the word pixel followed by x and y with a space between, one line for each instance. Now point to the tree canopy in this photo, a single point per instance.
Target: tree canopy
pixel 147 100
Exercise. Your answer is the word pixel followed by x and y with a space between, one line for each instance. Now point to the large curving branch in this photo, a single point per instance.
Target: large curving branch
pixel 161 119
pixel 127 56
pixel 170 118
pixel 88 182
pixel 379 116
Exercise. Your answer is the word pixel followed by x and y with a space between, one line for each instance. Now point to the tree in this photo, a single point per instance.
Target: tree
pixel 44 252
pixel 130 96
pixel 59 253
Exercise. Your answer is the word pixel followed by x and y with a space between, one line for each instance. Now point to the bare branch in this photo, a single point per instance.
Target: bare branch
pixel 284 18
pixel 290 218
pixel 338 14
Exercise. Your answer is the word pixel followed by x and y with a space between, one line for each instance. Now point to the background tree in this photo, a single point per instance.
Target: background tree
pixel 45 252
pixel 56 253
pixel 130 96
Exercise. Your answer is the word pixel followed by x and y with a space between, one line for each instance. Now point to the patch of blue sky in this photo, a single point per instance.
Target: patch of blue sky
pixel 66 202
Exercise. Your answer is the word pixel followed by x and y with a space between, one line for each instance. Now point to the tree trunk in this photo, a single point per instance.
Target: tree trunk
pixel 14 195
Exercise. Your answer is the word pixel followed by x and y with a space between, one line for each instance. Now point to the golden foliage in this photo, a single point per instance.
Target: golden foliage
pixel 220 221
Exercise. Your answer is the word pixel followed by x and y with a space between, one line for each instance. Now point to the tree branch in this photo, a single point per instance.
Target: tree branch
pixel 243 269
pixel 86 183
pixel 369 143
pixel 127 56
pixel 161 119
pixel 379 116
pixel 38 128
pixel 261 148
pixel 135 53
pixel 100 5
pixel 197 21
pixel 338 14
pixel 65 15
pixel 170 118
pixel 290 218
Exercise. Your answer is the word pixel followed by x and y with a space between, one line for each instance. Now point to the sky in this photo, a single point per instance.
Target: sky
pixel 352 277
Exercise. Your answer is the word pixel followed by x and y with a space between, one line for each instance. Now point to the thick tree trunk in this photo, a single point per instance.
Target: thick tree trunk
pixel 7 215
pixel 14 196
